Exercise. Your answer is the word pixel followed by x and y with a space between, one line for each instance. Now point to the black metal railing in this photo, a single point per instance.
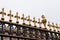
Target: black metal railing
pixel 14 31
pixel 26 32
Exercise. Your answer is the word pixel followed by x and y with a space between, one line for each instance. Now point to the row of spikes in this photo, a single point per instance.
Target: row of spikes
pixel 44 21
pixel 54 26
pixel 23 18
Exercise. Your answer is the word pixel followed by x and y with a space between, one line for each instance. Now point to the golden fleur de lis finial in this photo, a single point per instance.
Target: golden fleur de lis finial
pixel 10 15
pixel 3 13
pixel 29 20
pixel 39 22
pixel 53 26
pixel 17 17
pixel 44 21
pixel 34 21
pixel 23 19
pixel 49 25
pixel 57 27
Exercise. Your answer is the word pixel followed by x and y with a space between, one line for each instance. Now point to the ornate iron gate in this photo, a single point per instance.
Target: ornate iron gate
pixel 15 31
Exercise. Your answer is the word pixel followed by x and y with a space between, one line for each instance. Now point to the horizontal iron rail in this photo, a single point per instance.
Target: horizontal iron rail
pixel 46 30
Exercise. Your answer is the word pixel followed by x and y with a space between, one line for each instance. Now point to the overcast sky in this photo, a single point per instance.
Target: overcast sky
pixel 50 8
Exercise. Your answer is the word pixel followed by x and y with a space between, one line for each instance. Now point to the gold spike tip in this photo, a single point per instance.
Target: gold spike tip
pixel 57 25
pixel 16 13
pixel 33 19
pixel 29 18
pixel 39 22
pixel 52 23
pixel 10 11
pixel 10 14
pixel 16 16
pixel 2 12
pixel 53 26
pixel 49 23
pixel 43 16
pixel 28 15
pixel 39 19
pixel 3 9
pixel 23 15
